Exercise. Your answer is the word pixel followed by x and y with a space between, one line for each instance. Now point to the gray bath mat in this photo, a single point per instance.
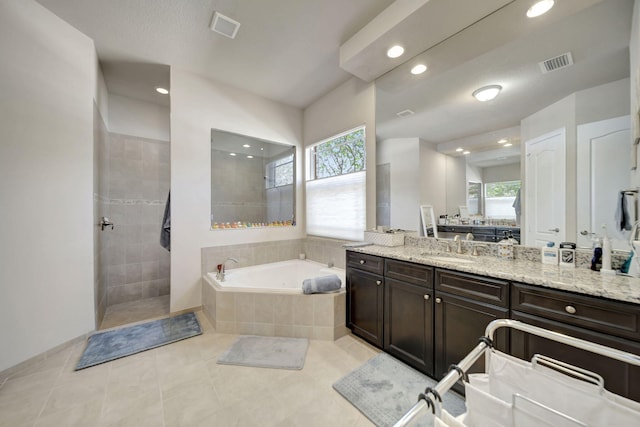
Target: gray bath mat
pixel 110 345
pixel 384 388
pixel 266 352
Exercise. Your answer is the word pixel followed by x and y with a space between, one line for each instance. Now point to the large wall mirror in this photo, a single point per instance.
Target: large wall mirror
pixel 253 182
pixel 477 147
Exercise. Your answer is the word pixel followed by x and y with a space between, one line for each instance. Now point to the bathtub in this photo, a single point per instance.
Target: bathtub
pixel 267 300
pixel 281 277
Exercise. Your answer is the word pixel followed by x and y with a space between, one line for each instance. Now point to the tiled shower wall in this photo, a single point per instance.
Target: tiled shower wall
pixel 100 198
pixel 138 185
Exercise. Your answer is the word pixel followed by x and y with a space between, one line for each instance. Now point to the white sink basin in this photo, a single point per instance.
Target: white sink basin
pixel 451 259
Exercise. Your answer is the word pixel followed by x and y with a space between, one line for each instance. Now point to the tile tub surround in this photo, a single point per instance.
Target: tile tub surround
pixel 575 279
pixel 317 249
pixel 318 316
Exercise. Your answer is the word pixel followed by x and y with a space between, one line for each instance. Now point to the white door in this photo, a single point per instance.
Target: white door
pixel 545 189
pixel 603 171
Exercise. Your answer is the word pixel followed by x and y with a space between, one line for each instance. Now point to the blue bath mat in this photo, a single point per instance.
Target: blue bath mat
pixel 111 345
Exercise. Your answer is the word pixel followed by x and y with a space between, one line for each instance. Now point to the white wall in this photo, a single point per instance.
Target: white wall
pixel 433 178
pixel 197 106
pixel 456 185
pixel 47 81
pixel 138 118
pixel 349 105
pixel 634 59
pixel 403 156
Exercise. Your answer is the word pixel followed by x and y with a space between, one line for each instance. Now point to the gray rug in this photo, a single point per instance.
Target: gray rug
pixel 110 345
pixel 384 388
pixel 266 352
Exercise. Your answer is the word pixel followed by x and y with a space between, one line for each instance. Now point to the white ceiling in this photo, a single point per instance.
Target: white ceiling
pixel 290 51
pixel 504 49
pixel 285 50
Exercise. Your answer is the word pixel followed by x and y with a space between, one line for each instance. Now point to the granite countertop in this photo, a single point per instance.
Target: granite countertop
pixel 578 279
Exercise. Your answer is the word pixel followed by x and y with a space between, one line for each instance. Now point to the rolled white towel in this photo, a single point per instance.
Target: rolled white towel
pixel 321 284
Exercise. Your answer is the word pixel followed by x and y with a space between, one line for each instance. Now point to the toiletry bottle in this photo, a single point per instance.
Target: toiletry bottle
pixel 596 261
pixel 550 254
pixel 606 254
pixel 505 247
pixel 567 253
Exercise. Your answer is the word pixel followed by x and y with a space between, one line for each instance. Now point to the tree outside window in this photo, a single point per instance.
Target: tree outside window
pixel 339 156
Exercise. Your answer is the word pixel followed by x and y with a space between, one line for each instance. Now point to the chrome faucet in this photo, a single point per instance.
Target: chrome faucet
pixel 458 241
pixel 221 274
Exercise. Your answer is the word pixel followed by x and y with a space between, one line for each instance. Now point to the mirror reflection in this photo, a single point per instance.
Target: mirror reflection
pixel 252 182
pixel 558 73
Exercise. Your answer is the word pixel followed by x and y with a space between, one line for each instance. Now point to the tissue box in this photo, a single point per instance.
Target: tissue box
pixel 384 239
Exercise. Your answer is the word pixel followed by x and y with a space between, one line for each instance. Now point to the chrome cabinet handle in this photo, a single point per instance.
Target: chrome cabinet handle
pixel 570 309
pixel 426 297
pixel 554 229
pixel 438 300
pixel 362 261
pixel 378 282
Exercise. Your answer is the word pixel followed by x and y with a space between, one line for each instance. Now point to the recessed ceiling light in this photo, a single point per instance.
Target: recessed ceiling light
pixel 507 145
pixel 232 154
pixel 459 149
pixel 395 51
pixel 502 141
pixel 246 146
pixel 162 90
pixel 539 8
pixel 466 152
pixel 249 157
pixel 419 69
pixel 487 93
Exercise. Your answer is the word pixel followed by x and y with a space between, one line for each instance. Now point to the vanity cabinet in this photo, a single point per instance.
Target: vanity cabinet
pixel 408 319
pixel 611 323
pixel 464 305
pixel 365 296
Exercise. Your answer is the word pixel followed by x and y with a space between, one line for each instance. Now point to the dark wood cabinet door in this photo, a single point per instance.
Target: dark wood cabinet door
pixel 459 323
pixel 365 302
pixel 620 378
pixel 408 325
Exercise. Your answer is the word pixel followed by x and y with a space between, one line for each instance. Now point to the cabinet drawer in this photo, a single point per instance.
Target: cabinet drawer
pixel 409 272
pixel 610 317
pixel 372 263
pixel 478 288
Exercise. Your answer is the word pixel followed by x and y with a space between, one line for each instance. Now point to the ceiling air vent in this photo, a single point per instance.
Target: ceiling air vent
pixel 405 113
pixel 556 63
pixel 224 25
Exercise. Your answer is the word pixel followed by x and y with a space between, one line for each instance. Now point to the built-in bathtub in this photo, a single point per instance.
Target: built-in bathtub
pixel 267 300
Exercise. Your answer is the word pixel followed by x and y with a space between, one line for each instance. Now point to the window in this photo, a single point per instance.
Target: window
pixel 279 172
pixel 336 186
pixel 499 198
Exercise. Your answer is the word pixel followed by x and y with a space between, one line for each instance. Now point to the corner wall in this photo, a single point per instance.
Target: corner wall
pixel 48 83
pixel 197 106
pixel 348 106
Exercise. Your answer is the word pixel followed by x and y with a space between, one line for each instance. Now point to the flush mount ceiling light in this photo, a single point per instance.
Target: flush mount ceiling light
pixel 503 141
pixel 232 154
pixel 395 51
pixel 539 8
pixel 487 93
pixel 246 146
pixel 249 157
pixel 162 90
pixel 459 149
pixel 466 152
pixel 224 25
pixel 418 69
pixel 507 145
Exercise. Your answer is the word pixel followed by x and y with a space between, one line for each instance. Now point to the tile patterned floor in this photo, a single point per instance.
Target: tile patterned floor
pixel 181 385
pixel 135 311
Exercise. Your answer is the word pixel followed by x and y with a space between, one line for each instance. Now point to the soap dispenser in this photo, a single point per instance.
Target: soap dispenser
pixel 505 247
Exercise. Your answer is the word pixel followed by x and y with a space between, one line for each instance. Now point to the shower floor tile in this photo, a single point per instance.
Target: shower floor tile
pixel 135 311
